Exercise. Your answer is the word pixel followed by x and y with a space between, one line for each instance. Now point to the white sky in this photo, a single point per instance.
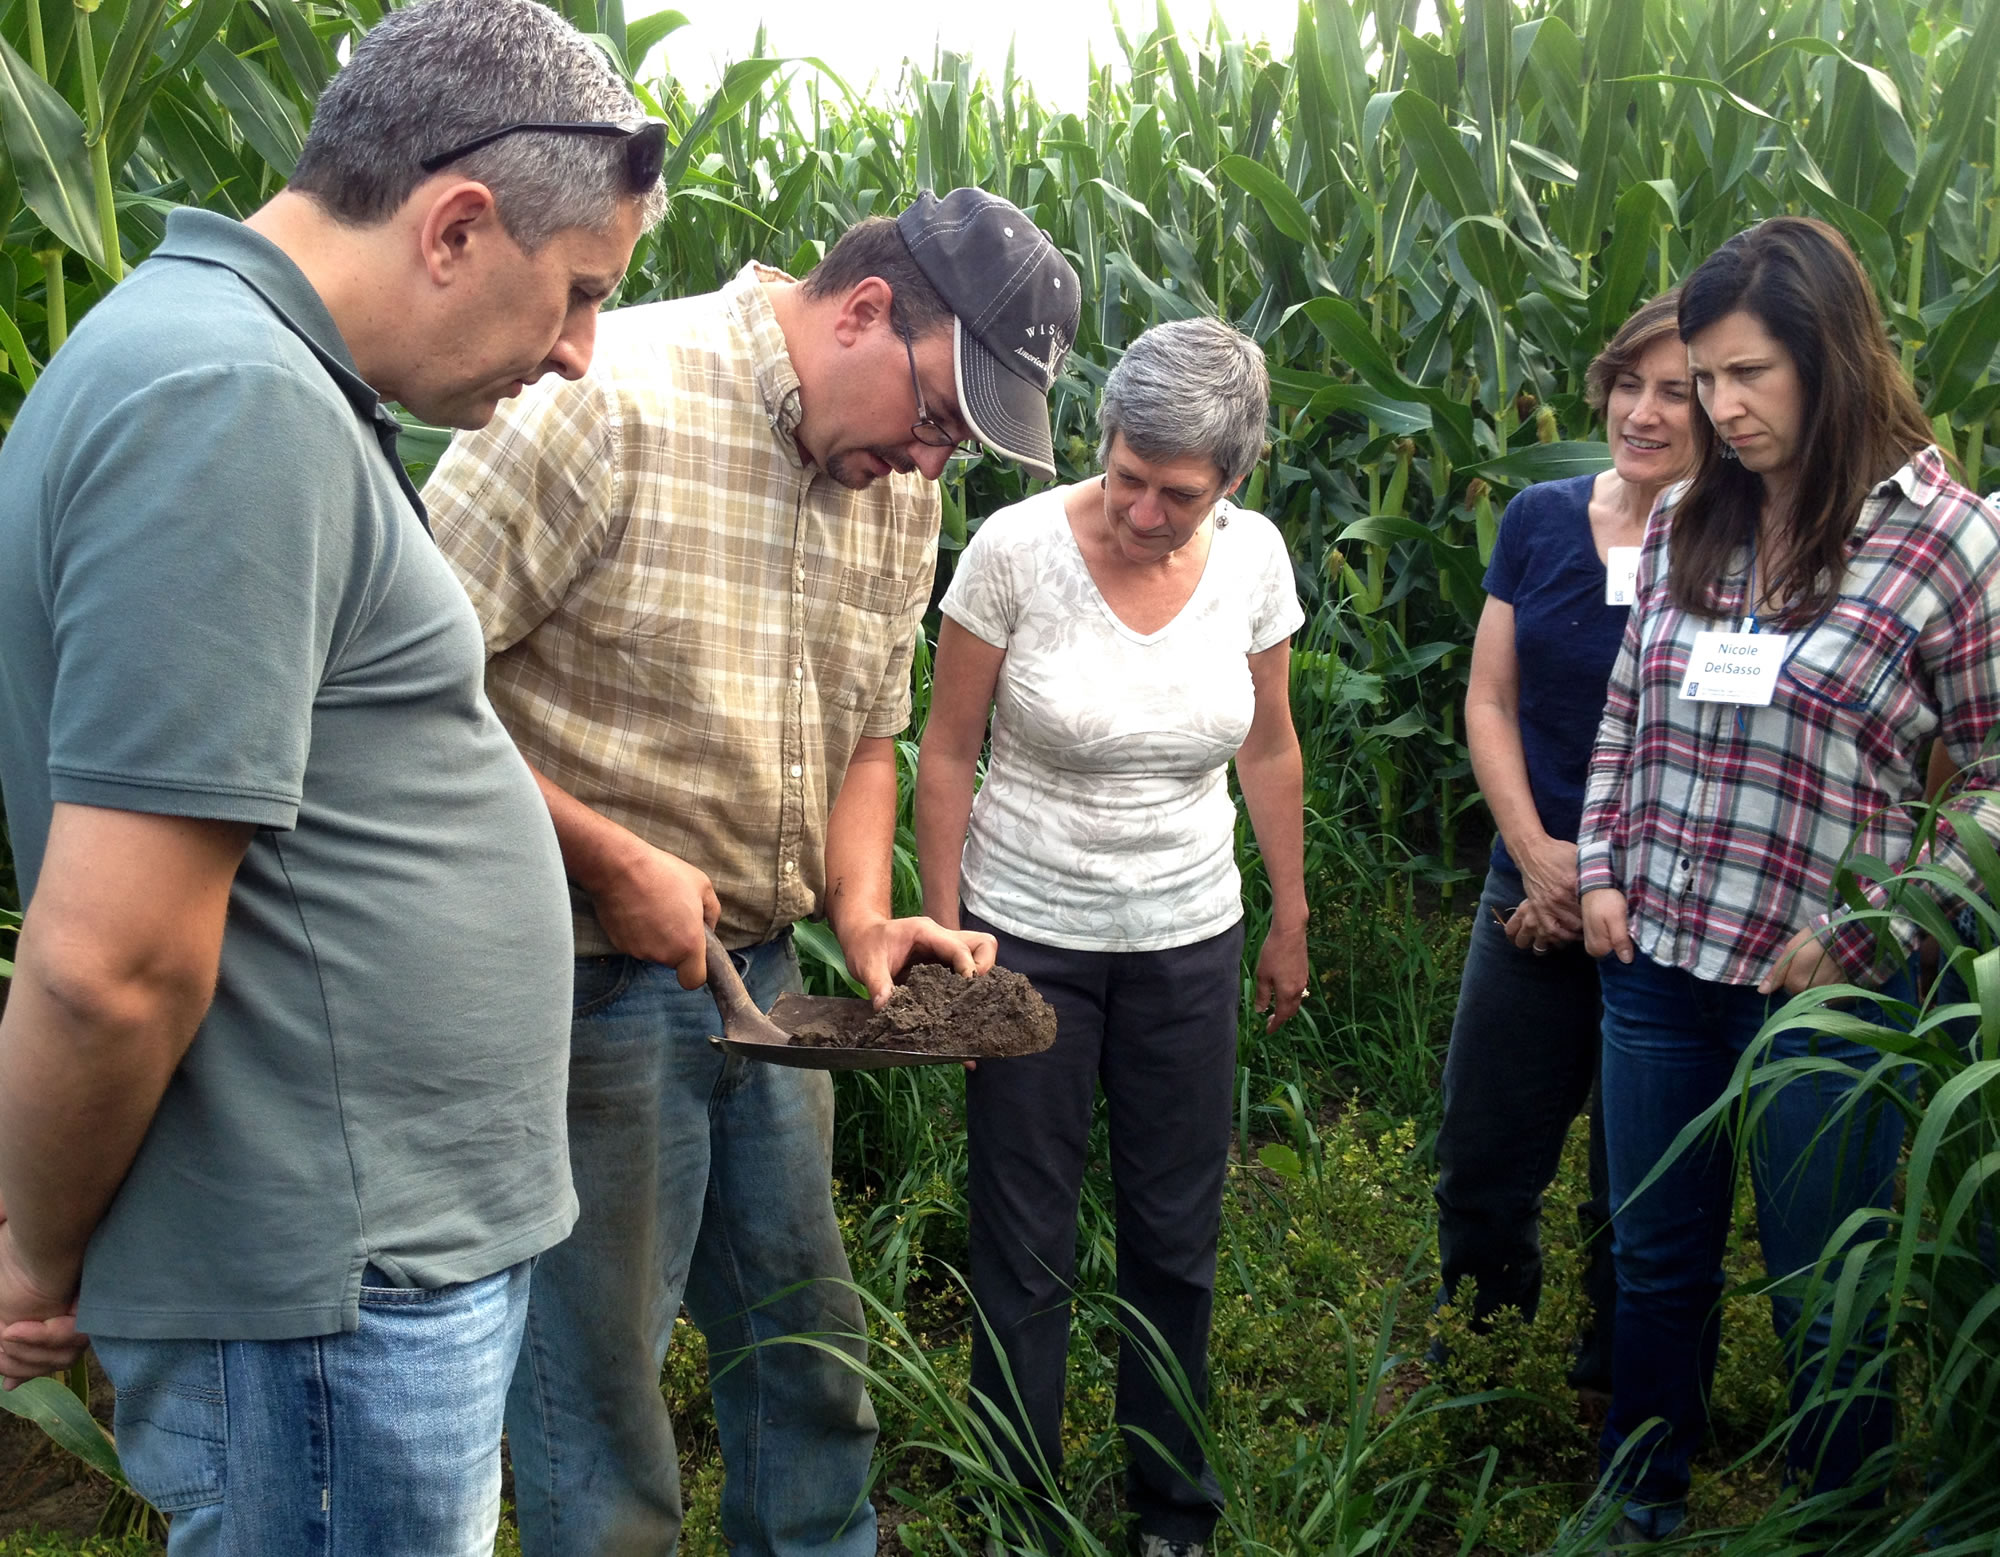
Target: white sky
pixel 867 40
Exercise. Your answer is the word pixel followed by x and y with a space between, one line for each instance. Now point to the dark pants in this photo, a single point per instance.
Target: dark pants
pixel 1522 1065
pixel 1158 1030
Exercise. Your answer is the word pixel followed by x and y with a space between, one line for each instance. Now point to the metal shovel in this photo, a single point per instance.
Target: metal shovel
pixel 750 1033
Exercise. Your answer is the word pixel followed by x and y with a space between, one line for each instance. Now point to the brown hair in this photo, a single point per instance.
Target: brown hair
pixel 1652 323
pixel 1797 278
pixel 874 247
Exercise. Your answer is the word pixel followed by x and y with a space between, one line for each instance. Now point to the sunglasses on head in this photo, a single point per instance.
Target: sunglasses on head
pixel 645 146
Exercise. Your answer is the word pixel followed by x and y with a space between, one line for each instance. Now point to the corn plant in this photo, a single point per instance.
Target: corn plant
pixel 1429 231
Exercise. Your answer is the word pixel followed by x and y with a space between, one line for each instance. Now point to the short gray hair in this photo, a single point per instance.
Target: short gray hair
pixel 1194 386
pixel 442 72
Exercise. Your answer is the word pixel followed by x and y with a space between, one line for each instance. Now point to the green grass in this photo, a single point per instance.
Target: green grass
pixel 1328 1437
pixel 1322 1428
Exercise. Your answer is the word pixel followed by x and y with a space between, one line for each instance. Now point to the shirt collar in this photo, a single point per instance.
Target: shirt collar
pixel 777 380
pixel 1920 482
pixel 210 239
pixel 1923 479
pixel 205 238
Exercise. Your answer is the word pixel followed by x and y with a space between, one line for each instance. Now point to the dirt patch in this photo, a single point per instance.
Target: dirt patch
pixel 41 1486
pixel 935 1011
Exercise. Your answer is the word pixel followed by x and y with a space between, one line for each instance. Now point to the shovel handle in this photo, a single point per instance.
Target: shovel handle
pixel 726 985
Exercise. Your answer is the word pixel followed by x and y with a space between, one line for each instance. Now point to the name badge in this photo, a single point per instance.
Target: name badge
pixel 1735 667
pixel 1621 575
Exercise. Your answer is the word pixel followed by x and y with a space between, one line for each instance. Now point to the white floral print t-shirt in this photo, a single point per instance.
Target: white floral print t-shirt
pixel 1105 823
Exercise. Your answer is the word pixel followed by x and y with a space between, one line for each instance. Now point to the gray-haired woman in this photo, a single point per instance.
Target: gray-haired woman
pixel 1130 635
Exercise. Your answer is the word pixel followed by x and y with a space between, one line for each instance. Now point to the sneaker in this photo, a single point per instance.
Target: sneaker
pixel 1623 1536
pixel 1160 1546
pixel 1625 1533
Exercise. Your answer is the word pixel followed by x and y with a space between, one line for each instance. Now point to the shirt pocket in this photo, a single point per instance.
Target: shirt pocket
pixel 862 625
pixel 1852 658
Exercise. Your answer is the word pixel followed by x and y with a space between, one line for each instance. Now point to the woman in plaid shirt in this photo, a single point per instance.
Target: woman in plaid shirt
pixel 1815 608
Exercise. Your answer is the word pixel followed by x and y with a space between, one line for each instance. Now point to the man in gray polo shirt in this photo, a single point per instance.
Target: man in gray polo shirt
pixel 282 1074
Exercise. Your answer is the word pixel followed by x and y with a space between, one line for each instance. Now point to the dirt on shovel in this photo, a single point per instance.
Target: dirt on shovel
pixel 935 1011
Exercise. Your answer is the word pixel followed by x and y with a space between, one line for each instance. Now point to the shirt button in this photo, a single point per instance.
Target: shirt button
pixel 790 866
pixel 797 771
pixel 798 673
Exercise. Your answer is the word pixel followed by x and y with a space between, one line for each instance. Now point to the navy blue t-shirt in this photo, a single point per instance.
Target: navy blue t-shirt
pixel 1545 565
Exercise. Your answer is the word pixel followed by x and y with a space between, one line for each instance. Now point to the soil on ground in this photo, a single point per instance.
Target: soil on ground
pixel 936 1011
pixel 41 1486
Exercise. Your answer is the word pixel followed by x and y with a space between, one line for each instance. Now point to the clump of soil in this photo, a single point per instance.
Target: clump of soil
pixel 935 1011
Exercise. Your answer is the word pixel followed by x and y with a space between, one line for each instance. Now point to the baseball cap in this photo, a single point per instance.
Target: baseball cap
pixel 1015 302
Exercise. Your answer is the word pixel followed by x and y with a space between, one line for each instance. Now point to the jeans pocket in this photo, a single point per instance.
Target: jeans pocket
pixel 599 982
pixel 171 1419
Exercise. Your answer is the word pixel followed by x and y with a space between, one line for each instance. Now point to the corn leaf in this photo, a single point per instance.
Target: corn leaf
pixel 267 119
pixel 1962 348
pixel 1641 212
pixel 308 60
pixel 45 144
pixel 57 1412
pixel 1891 128
pixel 1535 462
pixel 1393 416
pixel 1617 33
pixel 817 943
pixel 740 83
pixel 19 360
pixel 645 35
pixel 1966 104
pixel 1273 194
pixel 133 43
pixel 192 31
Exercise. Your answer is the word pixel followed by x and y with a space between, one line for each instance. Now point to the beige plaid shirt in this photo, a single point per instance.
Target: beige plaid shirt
pixel 688 627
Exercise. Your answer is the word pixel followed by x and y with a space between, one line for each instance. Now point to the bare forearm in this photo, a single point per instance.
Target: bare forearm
pixel 596 851
pixel 116 968
pixel 80 1080
pixel 1274 793
pixel 944 809
pixel 1500 765
pixel 860 837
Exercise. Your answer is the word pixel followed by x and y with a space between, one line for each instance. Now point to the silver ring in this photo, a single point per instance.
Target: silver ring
pixel 1541 950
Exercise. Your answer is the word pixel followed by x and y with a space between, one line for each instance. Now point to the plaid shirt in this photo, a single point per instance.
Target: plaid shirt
pixel 688 627
pixel 1724 824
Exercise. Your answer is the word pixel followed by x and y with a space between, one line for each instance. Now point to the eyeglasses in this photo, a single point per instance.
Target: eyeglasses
pixel 927 430
pixel 645 146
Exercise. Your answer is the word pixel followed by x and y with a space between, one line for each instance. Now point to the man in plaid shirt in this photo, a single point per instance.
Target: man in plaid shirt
pixel 701 570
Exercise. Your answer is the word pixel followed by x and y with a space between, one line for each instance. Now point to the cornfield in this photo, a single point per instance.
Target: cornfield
pixel 1430 232
pixel 1431 235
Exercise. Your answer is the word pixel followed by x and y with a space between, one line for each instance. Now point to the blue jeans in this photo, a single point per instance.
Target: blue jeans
pixel 1671 1042
pixel 383 1442
pixel 704 1178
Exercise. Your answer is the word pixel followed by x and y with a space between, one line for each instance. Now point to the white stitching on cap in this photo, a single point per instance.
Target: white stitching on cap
pixel 1011 428
pixel 1004 293
pixel 1001 419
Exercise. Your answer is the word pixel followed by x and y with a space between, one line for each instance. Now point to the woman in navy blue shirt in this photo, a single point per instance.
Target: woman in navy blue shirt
pixel 1523 1057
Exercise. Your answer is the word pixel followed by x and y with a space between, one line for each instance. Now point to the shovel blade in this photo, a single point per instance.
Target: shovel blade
pixel 839 1014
